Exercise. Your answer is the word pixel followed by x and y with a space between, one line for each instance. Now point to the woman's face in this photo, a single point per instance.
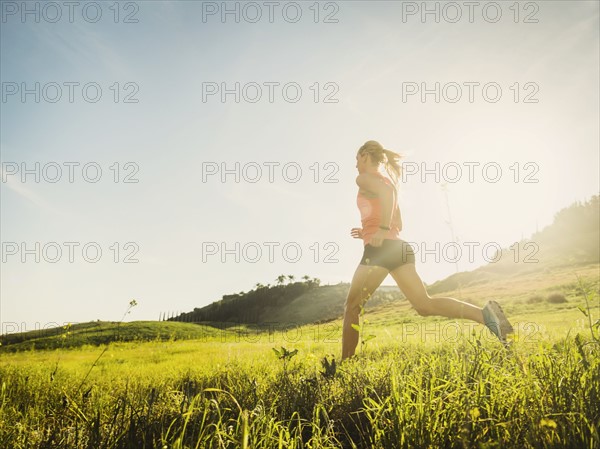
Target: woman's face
pixel 361 162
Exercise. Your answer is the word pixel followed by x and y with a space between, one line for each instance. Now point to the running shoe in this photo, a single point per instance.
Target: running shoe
pixel 496 321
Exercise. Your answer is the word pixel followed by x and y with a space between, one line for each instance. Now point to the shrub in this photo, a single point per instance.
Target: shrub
pixel 556 298
pixel 535 298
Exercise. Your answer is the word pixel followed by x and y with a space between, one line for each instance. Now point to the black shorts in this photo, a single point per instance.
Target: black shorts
pixel 391 254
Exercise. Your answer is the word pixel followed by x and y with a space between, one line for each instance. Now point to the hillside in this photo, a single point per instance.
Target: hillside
pixel 573 239
pixel 96 333
pixel 306 302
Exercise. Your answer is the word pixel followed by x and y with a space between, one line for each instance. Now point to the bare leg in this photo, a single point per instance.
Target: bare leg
pixel 413 288
pixel 365 281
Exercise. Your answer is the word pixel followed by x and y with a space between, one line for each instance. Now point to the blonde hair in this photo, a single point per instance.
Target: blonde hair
pixel 379 155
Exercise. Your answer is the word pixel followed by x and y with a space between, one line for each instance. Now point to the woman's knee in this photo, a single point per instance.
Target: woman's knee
pixel 422 304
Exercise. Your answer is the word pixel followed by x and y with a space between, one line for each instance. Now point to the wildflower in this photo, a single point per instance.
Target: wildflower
pixel 548 423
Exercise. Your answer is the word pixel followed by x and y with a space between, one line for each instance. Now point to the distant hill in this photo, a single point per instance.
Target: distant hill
pixel 295 303
pixel 573 239
pixel 102 332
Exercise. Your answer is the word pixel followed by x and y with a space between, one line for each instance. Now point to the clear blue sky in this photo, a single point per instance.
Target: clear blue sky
pixel 367 55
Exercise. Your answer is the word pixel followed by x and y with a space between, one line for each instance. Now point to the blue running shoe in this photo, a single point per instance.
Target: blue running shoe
pixel 496 321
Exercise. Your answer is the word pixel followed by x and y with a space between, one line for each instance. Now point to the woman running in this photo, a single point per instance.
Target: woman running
pixel 385 252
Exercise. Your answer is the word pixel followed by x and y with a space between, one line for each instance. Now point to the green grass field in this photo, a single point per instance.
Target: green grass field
pixel 418 382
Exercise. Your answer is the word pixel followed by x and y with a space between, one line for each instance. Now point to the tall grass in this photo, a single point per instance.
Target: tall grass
pixel 470 394
pixel 400 391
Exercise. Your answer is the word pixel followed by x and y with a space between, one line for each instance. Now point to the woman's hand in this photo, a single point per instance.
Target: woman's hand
pixel 356 233
pixel 377 239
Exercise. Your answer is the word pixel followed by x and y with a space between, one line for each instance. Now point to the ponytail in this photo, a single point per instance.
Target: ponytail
pixel 392 166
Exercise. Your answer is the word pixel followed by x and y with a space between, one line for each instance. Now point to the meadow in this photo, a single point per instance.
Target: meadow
pixel 414 382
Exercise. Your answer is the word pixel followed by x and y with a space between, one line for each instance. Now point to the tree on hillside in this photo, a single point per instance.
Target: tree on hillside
pixel 290 277
pixel 579 216
pixel 280 279
pixel 573 235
